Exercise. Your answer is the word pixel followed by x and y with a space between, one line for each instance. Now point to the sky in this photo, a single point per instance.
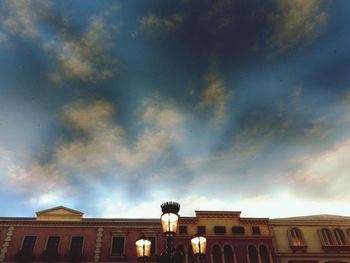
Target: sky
pixel 114 107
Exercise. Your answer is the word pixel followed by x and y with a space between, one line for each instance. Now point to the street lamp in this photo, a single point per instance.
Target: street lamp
pixel 199 244
pixel 143 248
pixel 169 220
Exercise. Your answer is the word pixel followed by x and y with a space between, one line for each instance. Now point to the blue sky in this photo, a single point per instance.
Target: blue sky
pixel 113 107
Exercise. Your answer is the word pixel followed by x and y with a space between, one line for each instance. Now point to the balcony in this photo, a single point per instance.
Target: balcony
pixel 336 248
pixel 298 248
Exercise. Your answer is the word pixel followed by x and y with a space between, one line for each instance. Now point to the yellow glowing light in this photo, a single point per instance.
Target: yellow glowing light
pixel 143 248
pixel 199 245
pixel 169 222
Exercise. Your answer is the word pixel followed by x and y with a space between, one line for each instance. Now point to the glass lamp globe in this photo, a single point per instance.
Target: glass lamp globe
pixel 199 244
pixel 143 248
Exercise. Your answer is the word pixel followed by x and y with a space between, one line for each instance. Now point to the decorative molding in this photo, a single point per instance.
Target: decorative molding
pixel 98 244
pixel 6 243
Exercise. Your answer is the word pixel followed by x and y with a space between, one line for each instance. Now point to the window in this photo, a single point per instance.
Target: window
pixel 264 254
pixel 76 244
pixel 327 237
pixel 253 254
pixel 52 244
pixel 228 254
pixel 28 243
pixel 219 230
pixel 238 230
pixel 76 249
pixel 217 257
pixel 296 237
pixel 180 252
pixel 153 245
pixel 201 230
pixel 26 252
pixel 340 237
pixel 118 245
pixel 183 229
pixel 51 251
pixel 256 230
pixel 191 258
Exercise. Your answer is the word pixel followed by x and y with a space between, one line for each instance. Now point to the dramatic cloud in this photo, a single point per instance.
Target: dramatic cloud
pixel 296 22
pixel 214 99
pixel 21 17
pixel 88 116
pixel 325 174
pixel 107 145
pixel 154 25
pixel 43 183
pixel 196 102
pixel 84 58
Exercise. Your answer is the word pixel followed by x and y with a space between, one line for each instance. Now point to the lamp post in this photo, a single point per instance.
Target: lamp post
pixel 169 221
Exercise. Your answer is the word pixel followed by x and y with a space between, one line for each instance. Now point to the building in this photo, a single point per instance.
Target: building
pixel 61 234
pixel 312 239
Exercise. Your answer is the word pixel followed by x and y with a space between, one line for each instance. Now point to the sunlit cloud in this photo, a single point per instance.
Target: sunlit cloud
pixel 87 116
pixel 296 22
pixel 107 143
pixel 214 99
pixel 324 174
pixel 154 24
pixel 268 206
pixel 84 58
pixel 44 183
pixel 21 17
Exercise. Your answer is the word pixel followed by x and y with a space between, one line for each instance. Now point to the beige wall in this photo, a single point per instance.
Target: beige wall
pixel 309 229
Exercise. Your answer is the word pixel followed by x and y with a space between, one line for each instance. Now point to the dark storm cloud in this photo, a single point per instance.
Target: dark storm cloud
pixel 331 75
pixel 209 96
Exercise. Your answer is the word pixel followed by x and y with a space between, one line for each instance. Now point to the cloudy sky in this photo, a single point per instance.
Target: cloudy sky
pixel 113 107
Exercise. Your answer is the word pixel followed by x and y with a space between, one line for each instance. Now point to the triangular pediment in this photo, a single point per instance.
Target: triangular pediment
pixel 59 213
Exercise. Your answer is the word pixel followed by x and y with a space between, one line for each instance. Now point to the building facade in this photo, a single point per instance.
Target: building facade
pixel 61 234
pixel 312 239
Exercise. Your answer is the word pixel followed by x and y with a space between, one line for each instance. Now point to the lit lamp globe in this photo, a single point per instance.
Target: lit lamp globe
pixel 143 248
pixel 170 218
pixel 199 244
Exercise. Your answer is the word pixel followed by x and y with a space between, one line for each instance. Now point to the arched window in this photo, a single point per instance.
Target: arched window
pixel 296 237
pixel 327 236
pixel 217 257
pixel 180 254
pixel 190 256
pixel 264 254
pixel 340 237
pixel 253 256
pixel 228 254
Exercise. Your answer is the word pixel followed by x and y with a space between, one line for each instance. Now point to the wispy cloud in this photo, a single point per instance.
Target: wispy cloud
pixel 324 174
pixel 296 22
pixel 154 24
pixel 21 17
pixel 83 58
pixel 45 183
pixel 107 143
pixel 214 99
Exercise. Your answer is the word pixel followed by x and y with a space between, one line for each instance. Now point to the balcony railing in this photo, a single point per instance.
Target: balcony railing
pixel 336 248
